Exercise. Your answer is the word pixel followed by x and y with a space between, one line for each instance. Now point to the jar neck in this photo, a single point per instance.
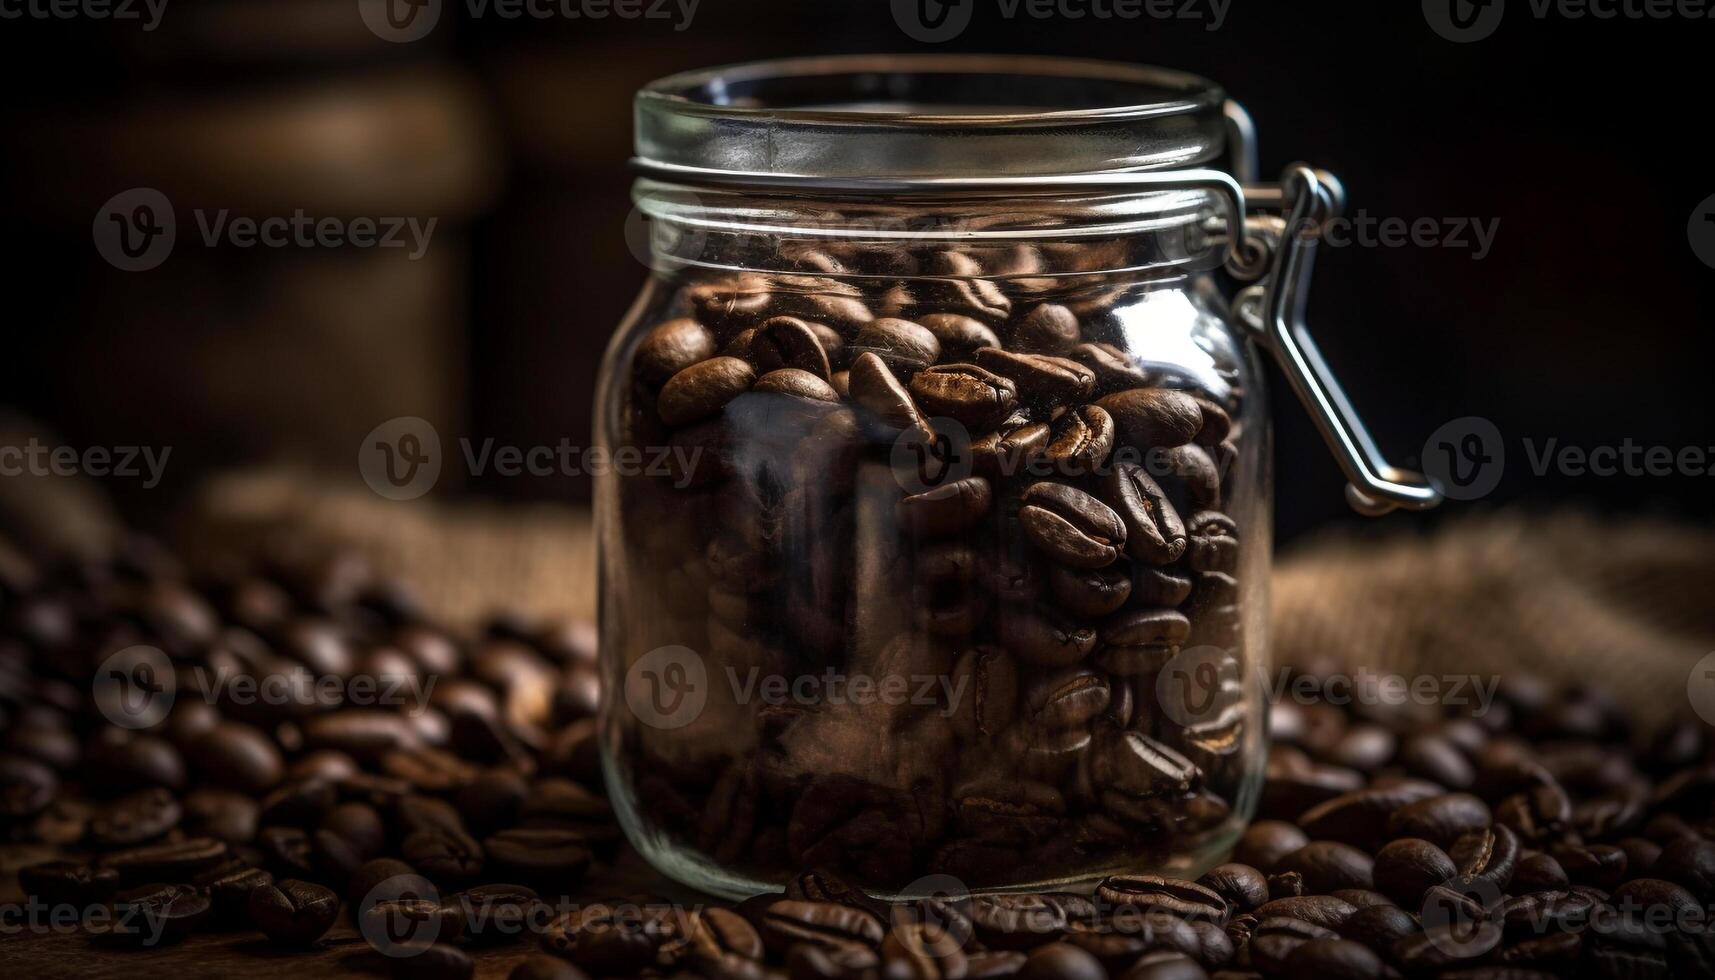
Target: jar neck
pixel 1166 233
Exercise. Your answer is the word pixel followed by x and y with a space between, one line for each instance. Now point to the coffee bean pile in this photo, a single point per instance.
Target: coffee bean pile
pixel 320 741
pixel 951 478
pixel 1543 837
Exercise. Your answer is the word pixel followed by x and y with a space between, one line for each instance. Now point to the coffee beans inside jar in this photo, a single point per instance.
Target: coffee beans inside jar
pixel 931 554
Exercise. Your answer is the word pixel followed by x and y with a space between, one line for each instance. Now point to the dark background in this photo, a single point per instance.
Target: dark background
pixel 1588 322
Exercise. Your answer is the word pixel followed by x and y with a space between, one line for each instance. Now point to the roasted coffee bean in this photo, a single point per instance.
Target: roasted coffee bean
pixel 988 681
pixel 807 961
pixel 1294 784
pixel 1538 872
pixel 1045 329
pixel 1242 886
pixel 1433 951
pixel 1598 865
pixel 1491 853
pixel 1134 764
pixel 1042 381
pixel 400 926
pixel 1361 898
pixel 672 347
pixel 224 814
pixel 237 757
pixel 822 885
pixel 1321 959
pixel 923 951
pixel 1442 819
pixel 703 389
pixel 1021 921
pixel 1039 637
pixel 549 854
pixel 1079 442
pixel 1113 368
pixel 1069 698
pixel 1434 758
pixel 1154 418
pixel 796 383
pixel 1008 812
pixel 1329 865
pixel 826 924
pixel 1071 526
pixel 134 819
pixel 492 799
pixel 1190 476
pixel 1641 855
pixel 1141 641
pixel 169 862
pixel 904 346
pixel 1408 867
pixel 960 336
pixel 789 343
pixel 1165 964
pixel 155 915
pixel 1689 863
pixel 1360 817
pixel 1212 542
pixel 1324 911
pixel 973 396
pixel 1285 884
pixel 68 883
pixel 1090 591
pixel 875 388
pixel 1276 938
pixel 1265 842
pixel 437 961
pixel 229 893
pixel 1174 896
pixel 497 913
pixel 606 941
pixel 1154 533
pixel 1537 815
pixel 443 855
pixel 948 508
pixel 1379 927
pixel 1016 447
pixel 1061 961
pixel 293 913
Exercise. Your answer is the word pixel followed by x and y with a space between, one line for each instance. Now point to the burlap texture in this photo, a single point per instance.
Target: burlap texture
pixel 1570 596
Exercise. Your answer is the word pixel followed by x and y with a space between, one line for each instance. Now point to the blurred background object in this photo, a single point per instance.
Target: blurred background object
pixel 1584 321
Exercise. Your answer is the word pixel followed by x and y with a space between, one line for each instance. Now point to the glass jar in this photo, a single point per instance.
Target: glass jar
pixel 937 541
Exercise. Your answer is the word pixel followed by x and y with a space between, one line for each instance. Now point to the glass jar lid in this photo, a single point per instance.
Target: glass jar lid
pixel 926 116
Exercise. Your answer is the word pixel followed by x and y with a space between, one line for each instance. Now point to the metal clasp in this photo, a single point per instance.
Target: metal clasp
pixel 1274 309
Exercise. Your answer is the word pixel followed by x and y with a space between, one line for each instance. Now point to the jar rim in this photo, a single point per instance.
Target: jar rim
pixel 930 115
